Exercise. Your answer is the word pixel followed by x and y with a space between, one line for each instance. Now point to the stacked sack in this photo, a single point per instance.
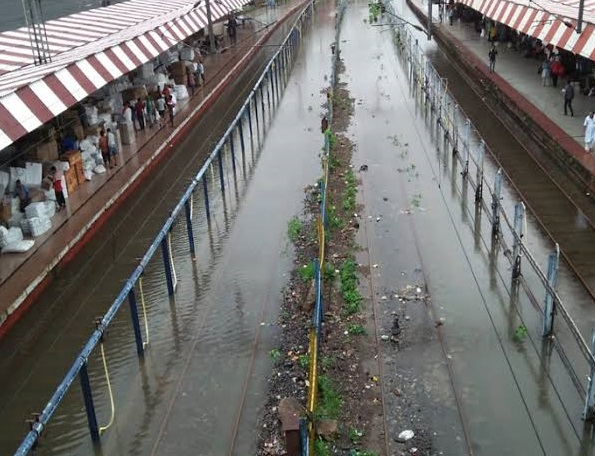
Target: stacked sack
pixel 38 219
pixel 11 240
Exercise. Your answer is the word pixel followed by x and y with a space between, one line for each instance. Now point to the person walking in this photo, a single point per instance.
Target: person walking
pixel 150 108
pixel 568 97
pixel 589 125
pixel 232 26
pixel 104 148
pixel 556 70
pixel 171 106
pixel 545 72
pixel 492 58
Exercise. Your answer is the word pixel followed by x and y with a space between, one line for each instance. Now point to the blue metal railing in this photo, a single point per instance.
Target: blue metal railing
pixel 274 77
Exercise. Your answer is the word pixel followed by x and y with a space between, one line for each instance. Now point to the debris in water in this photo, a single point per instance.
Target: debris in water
pixel 363 168
pixel 396 329
pixel 440 321
pixel 384 337
pixel 405 436
pixel 385 199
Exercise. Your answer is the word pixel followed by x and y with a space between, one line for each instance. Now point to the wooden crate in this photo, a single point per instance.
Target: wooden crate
pixel 72 157
pixel 79 172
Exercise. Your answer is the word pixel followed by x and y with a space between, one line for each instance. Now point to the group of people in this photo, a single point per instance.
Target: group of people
pixel 54 179
pixel 152 109
pixel 551 69
pixel 108 148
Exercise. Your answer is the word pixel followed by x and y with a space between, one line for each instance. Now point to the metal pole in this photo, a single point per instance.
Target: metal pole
pixel 579 23
pixel 220 162
pixel 167 267
pixel 212 48
pixel 89 406
pixel 249 111
pixel 256 112
pixel 550 303
pixel 479 175
pixel 241 133
pixel 188 210
pixel 519 231
pixel 205 188
pixel 466 145
pixel 138 338
pixel 429 20
pixel 233 152
pixel 590 398
pixel 496 203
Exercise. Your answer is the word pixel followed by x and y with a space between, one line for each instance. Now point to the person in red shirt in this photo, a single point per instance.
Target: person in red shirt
pixel 57 183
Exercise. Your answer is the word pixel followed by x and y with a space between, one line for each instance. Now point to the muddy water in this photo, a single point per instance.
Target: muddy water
pixel 474 387
pixel 202 381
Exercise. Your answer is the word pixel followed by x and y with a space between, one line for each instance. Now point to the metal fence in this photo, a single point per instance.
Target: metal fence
pixel 211 183
pixel 431 92
pixel 307 429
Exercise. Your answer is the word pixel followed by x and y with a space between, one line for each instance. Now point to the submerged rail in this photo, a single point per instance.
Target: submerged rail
pixel 259 104
pixel 431 90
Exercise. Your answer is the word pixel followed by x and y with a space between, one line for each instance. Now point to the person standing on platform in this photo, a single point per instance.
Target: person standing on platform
pixel 22 192
pixel 232 29
pixel 58 189
pixel 171 106
pixel 139 108
pixel 556 70
pixel 160 105
pixel 589 125
pixel 492 58
pixel 112 148
pixel 568 92
pixel 104 148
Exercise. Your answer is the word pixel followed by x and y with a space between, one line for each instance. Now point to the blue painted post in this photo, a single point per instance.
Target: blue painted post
pixel 205 188
pixel 269 80
pixel 249 111
pixel 89 406
pixel 167 267
pixel 304 436
pixel 455 129
pixel 256 111
pixel 221 177
pixel 496 197
pixel 138 338
pixel 262 104
pixel 479 175
pixel 550 303
pixel 241 133
pixel 466 146
pixel 519 232
pixel 588 411
pixel 232 148
pixel 188 210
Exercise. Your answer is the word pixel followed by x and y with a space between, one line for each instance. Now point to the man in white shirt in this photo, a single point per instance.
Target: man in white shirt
pixel 589 125
pixel 127 113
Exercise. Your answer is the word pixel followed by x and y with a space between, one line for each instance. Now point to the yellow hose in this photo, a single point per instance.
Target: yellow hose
pixel 109 389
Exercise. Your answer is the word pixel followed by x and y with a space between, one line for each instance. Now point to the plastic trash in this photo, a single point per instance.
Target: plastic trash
pixel 405 436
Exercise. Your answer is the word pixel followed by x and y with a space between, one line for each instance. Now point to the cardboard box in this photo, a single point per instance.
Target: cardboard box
pixel 72 157
pixel 71 180
pixel 178 68
pixel 134 94
pixel 79 131
pixel 45 151
pixel 5 212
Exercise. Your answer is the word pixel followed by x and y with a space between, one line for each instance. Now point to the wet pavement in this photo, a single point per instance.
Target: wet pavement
pixel 204 374
pixel 463 378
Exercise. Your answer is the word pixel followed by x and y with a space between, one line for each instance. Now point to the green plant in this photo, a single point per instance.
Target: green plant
pixel 356 329
pixel 349 284
pixel 362 453
pixel 328 272
pixel 327 362
pixel 329 405
pixel 306 272
pixel 333 221
pixel 332 139
pixel 275 354
pixel 322 448
pixel 294 228
pixel 355 435
pixel 520 333
pixel 304 361
pixel 333 162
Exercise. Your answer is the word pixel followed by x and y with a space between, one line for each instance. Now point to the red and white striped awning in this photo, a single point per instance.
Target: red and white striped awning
pixel 90 49
pixel 546 20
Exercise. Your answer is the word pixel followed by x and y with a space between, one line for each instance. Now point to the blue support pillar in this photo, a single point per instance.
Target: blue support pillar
pixel 589 412
pixel 188 211
pixel 479 175
pixel 242 143
pixel 205 189
pixel 232 148
pixel 262 105
pixel 249 112
pixel 550 303
pixel 256 110
pixel 167 266
pixel 467 145
pixel 221 176
pixel 89 406
pixel 496 197
pixel 519 232
pixel 138 338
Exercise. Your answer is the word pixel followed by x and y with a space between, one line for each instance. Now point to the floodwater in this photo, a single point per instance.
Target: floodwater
pixel 203 380
pixel 482 389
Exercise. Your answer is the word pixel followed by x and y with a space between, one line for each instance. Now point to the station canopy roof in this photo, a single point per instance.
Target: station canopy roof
pixel 553 22
pixel 89 50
